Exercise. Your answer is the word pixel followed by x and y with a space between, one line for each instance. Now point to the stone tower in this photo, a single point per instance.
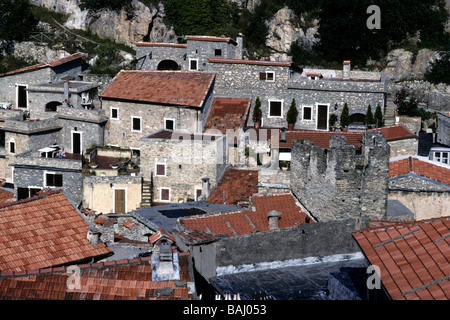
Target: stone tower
pixel 341 181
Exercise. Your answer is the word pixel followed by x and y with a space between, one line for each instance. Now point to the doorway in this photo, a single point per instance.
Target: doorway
pixel 22 96
pixel 119 201
pixel 76 142
pixel 322 117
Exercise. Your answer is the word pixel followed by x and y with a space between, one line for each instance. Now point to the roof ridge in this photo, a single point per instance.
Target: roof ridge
pixel 404 224
pixel 42 194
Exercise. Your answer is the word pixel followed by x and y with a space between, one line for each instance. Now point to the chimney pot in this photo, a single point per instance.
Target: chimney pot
pixel 93 235
pixel 346 69
pixel 273 216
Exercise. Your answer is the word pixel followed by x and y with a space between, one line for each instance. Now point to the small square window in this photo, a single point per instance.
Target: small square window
pixel 114 113
pixel 218 52
pixel 267 76
pixel 275 108
pixel 53 180
pixel 165 194
pixel 307 113
pixel 193 64
pixel 160 169
pixel 169 124
pixel 136 124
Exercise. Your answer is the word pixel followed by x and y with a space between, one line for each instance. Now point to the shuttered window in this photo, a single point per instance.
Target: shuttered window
pixel 165 194
pixel 160 169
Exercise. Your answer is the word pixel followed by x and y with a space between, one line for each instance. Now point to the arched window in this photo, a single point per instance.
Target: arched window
pixel 52 106
pixel 168 65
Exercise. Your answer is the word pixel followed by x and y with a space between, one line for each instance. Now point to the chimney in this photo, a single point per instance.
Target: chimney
pixel 93 235
pixel 346 69
pixel 240 45
pixel 205 189
pixel 273 216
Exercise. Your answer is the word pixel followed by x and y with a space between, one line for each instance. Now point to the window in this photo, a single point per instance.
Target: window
pixel 198 193
pixel 307 113
pixel 218 52
pixel 193 64
pixel 136 124
pixel 114 113
pixel 12 147
pixel 267 76
pixel 160 169
pixel 21 96
pixel 165 194
pixel 169 124
pixel 442 157
pixel 275 108
pixel 53 180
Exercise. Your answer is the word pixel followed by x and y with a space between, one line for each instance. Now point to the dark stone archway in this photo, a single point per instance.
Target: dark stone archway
pixel 168 65
pixel 357 118
pixel 52 106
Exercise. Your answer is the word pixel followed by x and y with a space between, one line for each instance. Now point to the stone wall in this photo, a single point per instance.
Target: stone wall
pixel 186 161
pixel 30 170
pixel 304 241
pixel 340 182
pixel 149 56
pixel 424 204
pixel 98 192
pixel 413 182
pixel 443 129
pixel 404 147
pixel 119 131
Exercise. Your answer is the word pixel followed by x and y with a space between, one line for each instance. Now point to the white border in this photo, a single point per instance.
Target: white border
pixel 171 119
pixel 140 119
pixel 160 194
pixel 303 113
pixel 110 113
pixel 156 169
pixel 190 59
pixel 81 140
pixel 114 198
pixel 282 107
pixel 17 94
pixel 328 115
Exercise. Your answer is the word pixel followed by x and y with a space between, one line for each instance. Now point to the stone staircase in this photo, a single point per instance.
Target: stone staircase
pixel 146 200
pixel 390 112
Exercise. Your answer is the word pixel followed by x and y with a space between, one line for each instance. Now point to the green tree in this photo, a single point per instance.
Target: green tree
pixel 257 113
pixel 292 113
pixel 345 116
pixel 16 20
pixel 368 119
pixel 378 117
pixel 439 71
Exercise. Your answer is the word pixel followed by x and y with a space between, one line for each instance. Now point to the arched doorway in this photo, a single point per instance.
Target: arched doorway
pixel 52 106
pixel 168 65
pixel 357 118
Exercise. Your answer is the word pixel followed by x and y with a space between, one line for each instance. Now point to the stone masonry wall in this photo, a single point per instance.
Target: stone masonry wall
pixel 187 162
pixel 404 147
pixel 338 182
pixel 424 204
pixel 150 56
pixel 443 129
pixel 119 132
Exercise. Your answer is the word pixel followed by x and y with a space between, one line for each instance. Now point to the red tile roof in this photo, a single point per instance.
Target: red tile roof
pixel 43 231
pixel 6 196
pixel 160 44
pixel 208 38
pixel 161 233
pixel 321 138
pixel 184 88
pixel 241 222
pixel 235 187
pixel 425 169
pixel 396 132
pixel 227 113
pixel 113 280
pixel 46 64
pixel 412 257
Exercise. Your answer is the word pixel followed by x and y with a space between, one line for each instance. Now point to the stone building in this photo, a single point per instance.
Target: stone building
pixel 443 128
pixel 340 181
pixel 14 84
pixel 181 166
pixel 318 92
pixel 140 102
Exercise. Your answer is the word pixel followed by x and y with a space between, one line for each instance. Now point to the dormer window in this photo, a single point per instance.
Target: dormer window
pixel 267 76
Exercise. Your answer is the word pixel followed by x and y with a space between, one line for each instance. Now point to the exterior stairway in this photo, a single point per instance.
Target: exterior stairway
pixel 146 200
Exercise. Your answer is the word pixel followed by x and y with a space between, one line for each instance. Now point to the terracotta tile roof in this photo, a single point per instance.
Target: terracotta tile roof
pixel 425 169
pixel 208 38
pixel 252 62
pixel 161 233
pixel 160 44
pixel 235 187
pixel 45 64
pixel 412 257
pixel 241 222
pixel 183 88
pixel 227 113
pixel 6 196
pixel 113 280
pixel 396 132
pixel 43 231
